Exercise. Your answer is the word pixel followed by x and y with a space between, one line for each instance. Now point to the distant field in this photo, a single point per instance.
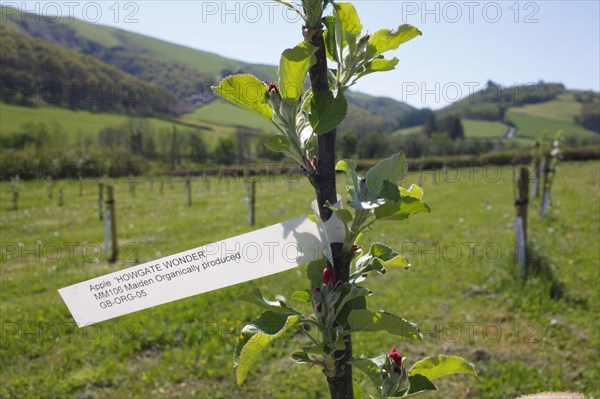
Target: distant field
pixel 408 131
pixel 71 123
pixel 227 114
pixel 484 129
pixel 473 128
pixel 529 126
pixel 563 109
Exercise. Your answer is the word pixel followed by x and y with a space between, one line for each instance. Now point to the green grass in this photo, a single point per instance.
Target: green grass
pixel 222 113
pixel 71 122
pixel 461 290
pixel 473 129
pixel 202 61
pixel 484 129
pixel 529 126
pixel 408 131
pixel 564 109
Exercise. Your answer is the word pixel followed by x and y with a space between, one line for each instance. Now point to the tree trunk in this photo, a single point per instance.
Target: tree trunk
pixel 340 386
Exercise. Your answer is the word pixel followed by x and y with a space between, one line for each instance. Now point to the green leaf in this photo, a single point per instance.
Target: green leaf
pixel 329 37
pixel 377 259
pixel 312 218
pixel 300 357
pixel 389 192
pixel 348 292
pixel 382 65
pixel 365 320
pixel 255 296
pixel 356 392
pixel 392 169
pixel 348 166
pixel 401 210
pixel 278 143
pixel 370 368
pixel 440 366
pixel 293 67
pixel 302 296
pixel 327 111
pixel 413 191
pixel 349 18
pixel 344 214
pixel 386 39
pixel 418 385
pixel 256 336
pixel 246 91
pixel 314 272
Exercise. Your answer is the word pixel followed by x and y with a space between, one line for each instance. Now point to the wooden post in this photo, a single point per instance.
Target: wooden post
pixel 161 189
pixel 15 192
pixel 546 187
pixel 521 222
pixel 537 173
pixel 188 191
pixel 110 206
pixel 60 196
pixel 253 203
pixel 100 200
pixel 50 187
pixel 132 186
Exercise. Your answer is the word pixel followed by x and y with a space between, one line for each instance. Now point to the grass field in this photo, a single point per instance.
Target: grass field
pixel 564 109
pixel 222 113
pixel 473 129
pixel 530 126
pixel 71 123
pixel 461 290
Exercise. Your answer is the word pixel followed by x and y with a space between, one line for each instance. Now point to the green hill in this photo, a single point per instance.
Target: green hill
pixel 35 71
pixel 182 70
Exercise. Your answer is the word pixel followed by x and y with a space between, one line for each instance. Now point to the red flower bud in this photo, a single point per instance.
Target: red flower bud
pixel 313 162
pixel 329 276
pixel 273 86
pixel 319 307
pixel 356 248
pixel 396 357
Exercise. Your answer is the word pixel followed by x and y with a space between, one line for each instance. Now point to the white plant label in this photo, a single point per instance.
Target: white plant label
pixel 209 267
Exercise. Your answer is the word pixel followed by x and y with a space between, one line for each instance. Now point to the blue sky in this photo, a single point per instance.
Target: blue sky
pixel 464 43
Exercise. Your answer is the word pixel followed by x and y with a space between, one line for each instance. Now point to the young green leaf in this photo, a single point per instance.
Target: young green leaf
pixel 364 320
pixel 314 272
pixel 256 336
pixel 255 296
pixel 329 38
pixel 246 91
pixel 356 392
pixel 301 296
pixel 300 357
pixel 348 166
pixel 344 214
pixel 386 39
pixel 401 210
pixel 379 65
pixel 293 67
pixel 278 143
pixel 391 169
pixel 327 111
pixel 418 385
pixel 440 366
pixel 370 368
pixel 349 18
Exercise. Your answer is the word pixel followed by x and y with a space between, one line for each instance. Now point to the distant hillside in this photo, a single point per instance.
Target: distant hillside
pixel 182 70
pixel 35 71
pixel 494 100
